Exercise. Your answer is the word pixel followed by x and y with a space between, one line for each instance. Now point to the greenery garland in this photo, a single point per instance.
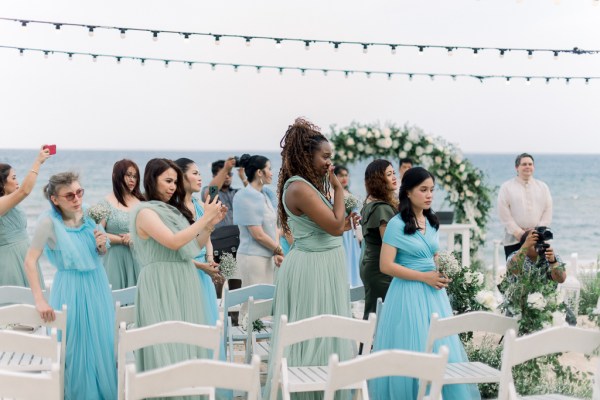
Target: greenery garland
pixel 464 184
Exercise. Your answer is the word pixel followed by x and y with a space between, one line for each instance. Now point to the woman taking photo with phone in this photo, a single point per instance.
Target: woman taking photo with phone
pixel 14 240
pixel 73 244
pixel 166 239
pixel 408 252
pixel 121 267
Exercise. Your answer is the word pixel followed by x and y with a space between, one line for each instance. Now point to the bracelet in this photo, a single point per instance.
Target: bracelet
pixel 34 171
pixel 278 251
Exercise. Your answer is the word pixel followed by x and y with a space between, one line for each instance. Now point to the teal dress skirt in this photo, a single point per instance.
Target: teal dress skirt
pixel 405 318
pixel 312 281
pixel 81 284
pixel 14 243
pixel 121 267
pixel 168 290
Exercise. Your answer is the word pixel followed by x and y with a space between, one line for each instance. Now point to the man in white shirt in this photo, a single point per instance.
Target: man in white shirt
pixel 523 203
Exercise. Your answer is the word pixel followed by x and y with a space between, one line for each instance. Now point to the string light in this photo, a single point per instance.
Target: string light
pixel 155 36
pixel 217 40
pixel 507 81
pixel 547 81
pixel 336 46
pixel 303 70
pixel 279 40
pixel 450 51
pixel 307 45
pixel 190 65
pixel 393 49
pixel 529 54
pixel 365 48
pixel 556 55
pixel 123 33
pixel 248 39
pixel 475 52
pixel 186 37
pixel 502 51
pixel 277 43
pixel 528 81
pixel 91 31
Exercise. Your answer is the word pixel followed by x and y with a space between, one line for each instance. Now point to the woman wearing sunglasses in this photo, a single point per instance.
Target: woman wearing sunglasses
pixel 74 244
pixel 14 240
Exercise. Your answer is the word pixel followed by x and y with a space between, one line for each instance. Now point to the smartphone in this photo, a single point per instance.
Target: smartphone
pixel 51 147
pixel 213 191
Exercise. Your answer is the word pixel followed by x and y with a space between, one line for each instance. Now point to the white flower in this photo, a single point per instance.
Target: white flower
pixel 454 197
pixel 350 155
pixel 369 150
pixel 413 134
pixel 500 275
pixel 469 278
pixel 377 133
pixel 350 142
pixel 546 325
pixel 479 278
pixel 438 159
pixel 458 158
pixel 447 263
pixel 384 143
pixel 419 151
pixel 487 299
pixel 558 319
pixel 536 301
pixel 402 154
pixel 386 132
pixel 407 146
pixel 461 168
pixel 395 143
pixel 341 153
pixel 477 183
pixel 428 149
pixel 429 139
pixel 469 193
pixel 360 147
pixel 369 135
pixel 361 132
pixel 447 188
pixel 448 178
pixel 426 162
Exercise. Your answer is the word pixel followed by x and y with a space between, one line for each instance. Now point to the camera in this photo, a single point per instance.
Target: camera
pixel 544 233
pixel 237 161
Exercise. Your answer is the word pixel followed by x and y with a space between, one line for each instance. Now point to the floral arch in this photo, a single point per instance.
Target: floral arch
pixel 463 182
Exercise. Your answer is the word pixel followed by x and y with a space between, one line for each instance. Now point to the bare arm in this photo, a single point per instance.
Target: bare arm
pixel 389 267
pixel 261 237
pixel 219 179
pixel 43 308
pixel 9 201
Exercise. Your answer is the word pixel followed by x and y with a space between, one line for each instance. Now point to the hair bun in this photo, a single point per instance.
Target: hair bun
pixel 244 160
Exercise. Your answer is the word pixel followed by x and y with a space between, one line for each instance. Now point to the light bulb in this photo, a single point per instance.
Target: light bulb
pixel 94 58
pixel 143 62
pixel 186 38
pixel 421 48
pixel 307 45
pixel 155 36
pixel 123 33
pixel 258 70
pixel 248 42
pixel 410 77
pixel 213 66
pixel 280 71
pixel 336 47
pixel 217 40
pixel 389 76
pixel 393 49
pixel 528 81
pixel 166 64
pixel 475 53
pixel 530 54
pixel 365 48
pixel 368 75
pixel 587 81
pixel 507 81
pixel 450 52
pixel 118 60
pixel 91 31
pixel 46 55
pixel 277 43
pixel 502 51
pixel 556 55
pixel 190 65
pixel 21 52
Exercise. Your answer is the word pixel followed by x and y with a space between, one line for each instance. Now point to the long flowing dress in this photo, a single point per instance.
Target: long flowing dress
pixel 81 284
pixel 168 289
pixel 405 319
pixel 312 281
pixel 121 267
pixel 352 258
pixel 14 243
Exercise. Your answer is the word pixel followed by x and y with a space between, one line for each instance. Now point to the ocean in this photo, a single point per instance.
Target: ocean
pixel 574 181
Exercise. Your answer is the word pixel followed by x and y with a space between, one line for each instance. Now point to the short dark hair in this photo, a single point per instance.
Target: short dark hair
pixel 522 156
pixel 217 166
pixel 406 161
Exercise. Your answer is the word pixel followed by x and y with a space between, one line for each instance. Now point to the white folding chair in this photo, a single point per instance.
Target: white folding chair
pixel 125 296
pixel 16 384
pixel 313 378
pixel 17 295
pixel 256 311
pixel 208 337
pixel 544 342
pixel 476 321
pixel 194 377
pixel 425 367
pixel 236 298
pixel 123 314
pixel 357 293
pixel 27 315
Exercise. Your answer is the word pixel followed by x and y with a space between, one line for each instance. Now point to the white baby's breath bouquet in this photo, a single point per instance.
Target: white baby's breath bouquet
pixel 350 203
pixel 227 265
pixel 98 212
pixel 447 264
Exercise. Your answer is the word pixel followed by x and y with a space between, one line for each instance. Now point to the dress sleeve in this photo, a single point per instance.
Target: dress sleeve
pixel 394 232
pixel 44 234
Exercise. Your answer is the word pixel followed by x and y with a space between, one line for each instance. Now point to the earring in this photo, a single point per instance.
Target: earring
pixel 261 181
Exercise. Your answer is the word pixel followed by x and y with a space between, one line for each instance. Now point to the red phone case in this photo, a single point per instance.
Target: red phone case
pixel 51 147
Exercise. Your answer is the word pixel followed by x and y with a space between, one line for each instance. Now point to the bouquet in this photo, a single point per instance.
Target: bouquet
pixel 350 203
pixel 447 264
pixel 98 213
pixel 228 265
pixel 257 326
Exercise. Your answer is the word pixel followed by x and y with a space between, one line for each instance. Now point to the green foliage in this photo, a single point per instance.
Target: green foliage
pixel 463 182
pixel 590 291
pixel 488 352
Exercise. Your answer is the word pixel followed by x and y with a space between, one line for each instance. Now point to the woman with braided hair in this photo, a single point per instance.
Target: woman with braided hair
pixel 312 279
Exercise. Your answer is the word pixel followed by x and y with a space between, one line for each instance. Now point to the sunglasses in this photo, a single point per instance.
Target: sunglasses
pixel 71 196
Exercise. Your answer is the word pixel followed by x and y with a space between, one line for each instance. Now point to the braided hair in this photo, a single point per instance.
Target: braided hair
pixel 299 144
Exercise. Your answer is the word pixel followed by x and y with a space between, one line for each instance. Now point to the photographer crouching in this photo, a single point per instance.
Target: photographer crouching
pixel 536 253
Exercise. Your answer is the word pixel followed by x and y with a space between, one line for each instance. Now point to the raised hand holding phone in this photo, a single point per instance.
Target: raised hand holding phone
pixel 51 148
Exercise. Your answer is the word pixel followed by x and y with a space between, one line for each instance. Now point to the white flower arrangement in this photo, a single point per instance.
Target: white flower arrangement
pixel 487 299
pixel 227 265
pixel 350 203
pixel 447 264
pixel 98 212
pixel 536 300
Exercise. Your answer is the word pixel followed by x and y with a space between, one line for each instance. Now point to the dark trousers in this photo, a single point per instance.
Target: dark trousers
pixel 508 250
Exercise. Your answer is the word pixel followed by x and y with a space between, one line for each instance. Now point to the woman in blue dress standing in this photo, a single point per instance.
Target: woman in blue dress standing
pixel 73 243
pixel 408 252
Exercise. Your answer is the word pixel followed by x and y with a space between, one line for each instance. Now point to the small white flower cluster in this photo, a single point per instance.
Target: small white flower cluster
pixel 536 301
pixel 474 277
pixel 487 299
pixel 227 265
pixel 350 203
pixel 98 212
pixel 447 263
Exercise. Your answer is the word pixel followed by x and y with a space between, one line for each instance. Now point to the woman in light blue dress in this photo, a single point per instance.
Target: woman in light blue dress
pixel 73 243
pixel 351 242
pixel 14 240
pixel 410 244
pixel 208 271
pixel 121 267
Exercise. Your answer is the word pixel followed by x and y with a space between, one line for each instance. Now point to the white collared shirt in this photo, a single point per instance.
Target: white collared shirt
pixel 523 205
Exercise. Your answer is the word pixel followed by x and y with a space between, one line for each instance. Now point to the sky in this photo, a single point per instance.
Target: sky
pixel 80 104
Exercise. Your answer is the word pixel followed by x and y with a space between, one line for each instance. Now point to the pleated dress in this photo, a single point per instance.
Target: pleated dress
pixel 168 289
pixel 14 243
pixel 405 318
pixel 81 284
pixel 312 281
pixel 352 249
pixel 121 267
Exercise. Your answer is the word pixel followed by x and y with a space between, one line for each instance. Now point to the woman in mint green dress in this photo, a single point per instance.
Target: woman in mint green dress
pixel 73 244
pixel 14 240
pixel 166 240
pixel 312 279
pixel 121 267
pixel 408 252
